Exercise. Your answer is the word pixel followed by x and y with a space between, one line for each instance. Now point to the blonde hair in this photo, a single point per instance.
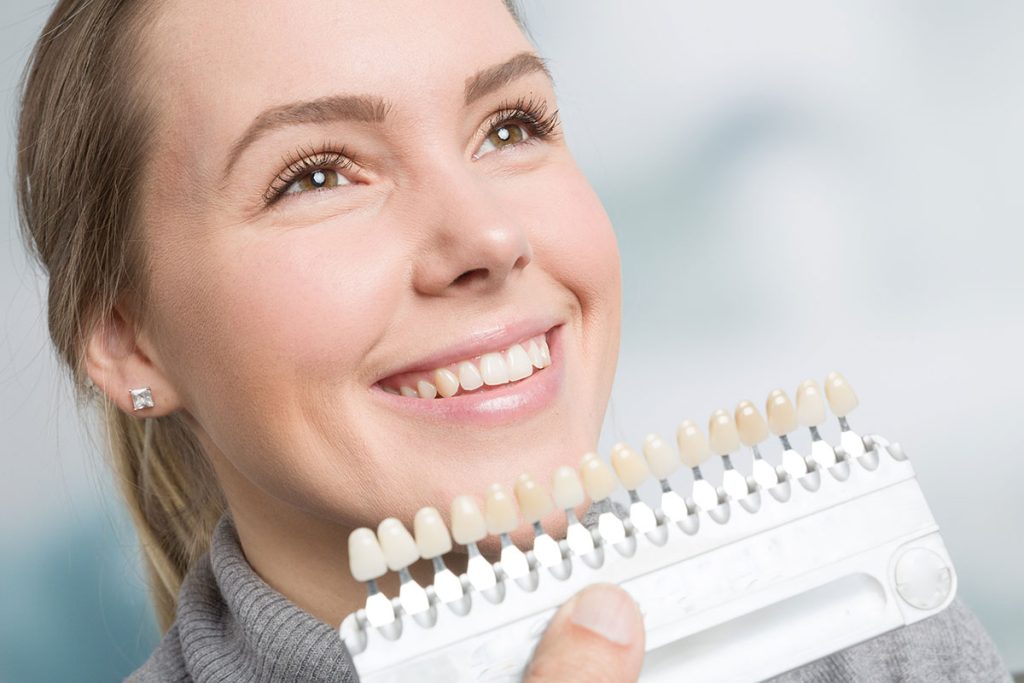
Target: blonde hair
pixel 83 133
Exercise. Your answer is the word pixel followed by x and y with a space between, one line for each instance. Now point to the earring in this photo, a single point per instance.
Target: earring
pixel 141 398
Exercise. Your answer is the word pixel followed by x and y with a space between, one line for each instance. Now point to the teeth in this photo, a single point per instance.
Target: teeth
pixel 660 457
pixel 500 510
pixel 810 405
pixel 566 488
pixel 722 433
pixel 469 376
pixel 750 424
pixel 468 524
pixel 693 447
pixel 781 415
pixel 598 478
pixel 409 391
pixel 493 369
pixel 365 557
pixel 534 501
pixel 841 398
pixel 446 381
pixel 533 351
pixel 545 352
pixel 432 538
pixel 629 466
pixel 519 364
pixel 399 549
pixel 425 389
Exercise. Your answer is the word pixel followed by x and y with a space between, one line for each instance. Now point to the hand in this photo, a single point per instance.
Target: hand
pixel 598 637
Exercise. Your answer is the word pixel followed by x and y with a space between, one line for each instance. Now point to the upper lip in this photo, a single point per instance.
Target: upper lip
pixel 493 338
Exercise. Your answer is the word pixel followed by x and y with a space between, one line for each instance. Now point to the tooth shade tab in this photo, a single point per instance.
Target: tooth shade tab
pixel 598 478
pixel 781 414
pixel 365 557
pixel 750 424
pixel 629 466
pixel 810 404
pixel 468 524
pixel 661 458
pixel 500 510
pixel 519 364
pixel 432 537
pixel 534 501
pixel 566 488
pixel 446 381
pixel 399 548
pixel 841 398
pixel 693 447
pixel 722 433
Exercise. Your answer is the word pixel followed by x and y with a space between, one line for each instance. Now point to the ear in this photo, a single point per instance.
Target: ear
pixel 116 363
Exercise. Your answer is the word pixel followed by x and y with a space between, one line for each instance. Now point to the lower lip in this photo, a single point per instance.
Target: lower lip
pixel 497 405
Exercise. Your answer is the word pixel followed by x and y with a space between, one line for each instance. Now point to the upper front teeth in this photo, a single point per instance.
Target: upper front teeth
pixel 491 369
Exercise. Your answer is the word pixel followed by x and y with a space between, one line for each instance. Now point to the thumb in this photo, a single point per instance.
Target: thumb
pixel 598 636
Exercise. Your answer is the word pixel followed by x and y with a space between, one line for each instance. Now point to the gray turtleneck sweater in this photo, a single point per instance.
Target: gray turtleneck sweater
pixel 232 627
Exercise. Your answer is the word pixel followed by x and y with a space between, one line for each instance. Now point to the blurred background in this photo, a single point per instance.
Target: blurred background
pixel 796 186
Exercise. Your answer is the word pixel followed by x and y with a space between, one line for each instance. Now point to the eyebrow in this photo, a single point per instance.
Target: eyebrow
pixel 373 108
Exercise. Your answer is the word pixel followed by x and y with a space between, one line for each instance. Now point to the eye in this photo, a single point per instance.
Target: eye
pixel 311 171
pixel 523 121
pixel 505 135
pixel 317 179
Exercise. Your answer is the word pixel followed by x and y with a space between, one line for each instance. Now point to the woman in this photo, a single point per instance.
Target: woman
pixel 273 238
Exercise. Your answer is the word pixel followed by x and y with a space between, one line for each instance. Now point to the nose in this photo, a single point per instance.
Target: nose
pixel 472 243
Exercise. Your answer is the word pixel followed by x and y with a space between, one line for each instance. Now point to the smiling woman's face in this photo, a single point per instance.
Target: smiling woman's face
pixel 343 199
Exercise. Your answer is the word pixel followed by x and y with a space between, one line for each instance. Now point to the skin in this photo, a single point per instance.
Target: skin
pixel 267 327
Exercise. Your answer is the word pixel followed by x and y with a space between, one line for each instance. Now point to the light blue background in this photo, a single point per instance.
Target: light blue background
pixel 796 186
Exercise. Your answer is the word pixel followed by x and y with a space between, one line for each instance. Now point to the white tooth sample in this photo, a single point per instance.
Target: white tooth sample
pixel 566 488
pixel 432 537
pixel 661 458
pixel 693 447
pixel 519 364
pixel 409 391
pixel 545 352
pixel 493 369
pixel 750 424
pixel 781 414
pixel 810 404
pixel 365 557
pixel 425 389
pixel 468 524
pixel 598 478
pixel 629 466
pixel 399 549
pixel 722 434
pixel 534 501
pixel 500 510
pixel 533 351
pixel 841 398
pixel 446 381
pixel 469 376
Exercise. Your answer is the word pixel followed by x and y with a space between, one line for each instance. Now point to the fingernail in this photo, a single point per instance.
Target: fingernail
pixel 607 611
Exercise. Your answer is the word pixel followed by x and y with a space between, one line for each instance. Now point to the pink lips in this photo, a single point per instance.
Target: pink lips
pixel 493 405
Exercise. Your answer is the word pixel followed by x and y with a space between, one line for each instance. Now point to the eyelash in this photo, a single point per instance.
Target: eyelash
pixel 528 111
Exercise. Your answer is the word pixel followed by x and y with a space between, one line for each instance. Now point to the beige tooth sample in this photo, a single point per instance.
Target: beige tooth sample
pixel 533 351
pixel 750 424
pixel 432 537
pixel 493 370
pixel 409 392
pixel 500 510
pixel 630 467
pixel 399 549
pixel 566 488
pixel 365 557
pixel 841 398
pixel 468 524
pixel 519 364
pixel 810 404
pixel 781 414
pixel 598 478
pixel 693 447
pixel 446 381
pixel 534 501
pixel 425 389
pixel 722 433
pixel 469 376
pixel 661 459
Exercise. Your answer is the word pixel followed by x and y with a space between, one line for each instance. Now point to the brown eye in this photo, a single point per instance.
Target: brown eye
pixel 504 135
pixel 317 179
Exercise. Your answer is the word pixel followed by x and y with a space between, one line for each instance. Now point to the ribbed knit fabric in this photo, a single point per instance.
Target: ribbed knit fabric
pixel 231 627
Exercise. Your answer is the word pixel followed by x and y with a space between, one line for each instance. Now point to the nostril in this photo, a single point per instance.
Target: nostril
pixel 470 275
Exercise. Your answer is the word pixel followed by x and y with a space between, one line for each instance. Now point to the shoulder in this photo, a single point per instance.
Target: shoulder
pixel 950 646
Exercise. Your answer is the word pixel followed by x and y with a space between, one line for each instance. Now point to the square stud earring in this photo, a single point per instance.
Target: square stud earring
pixel 141 398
